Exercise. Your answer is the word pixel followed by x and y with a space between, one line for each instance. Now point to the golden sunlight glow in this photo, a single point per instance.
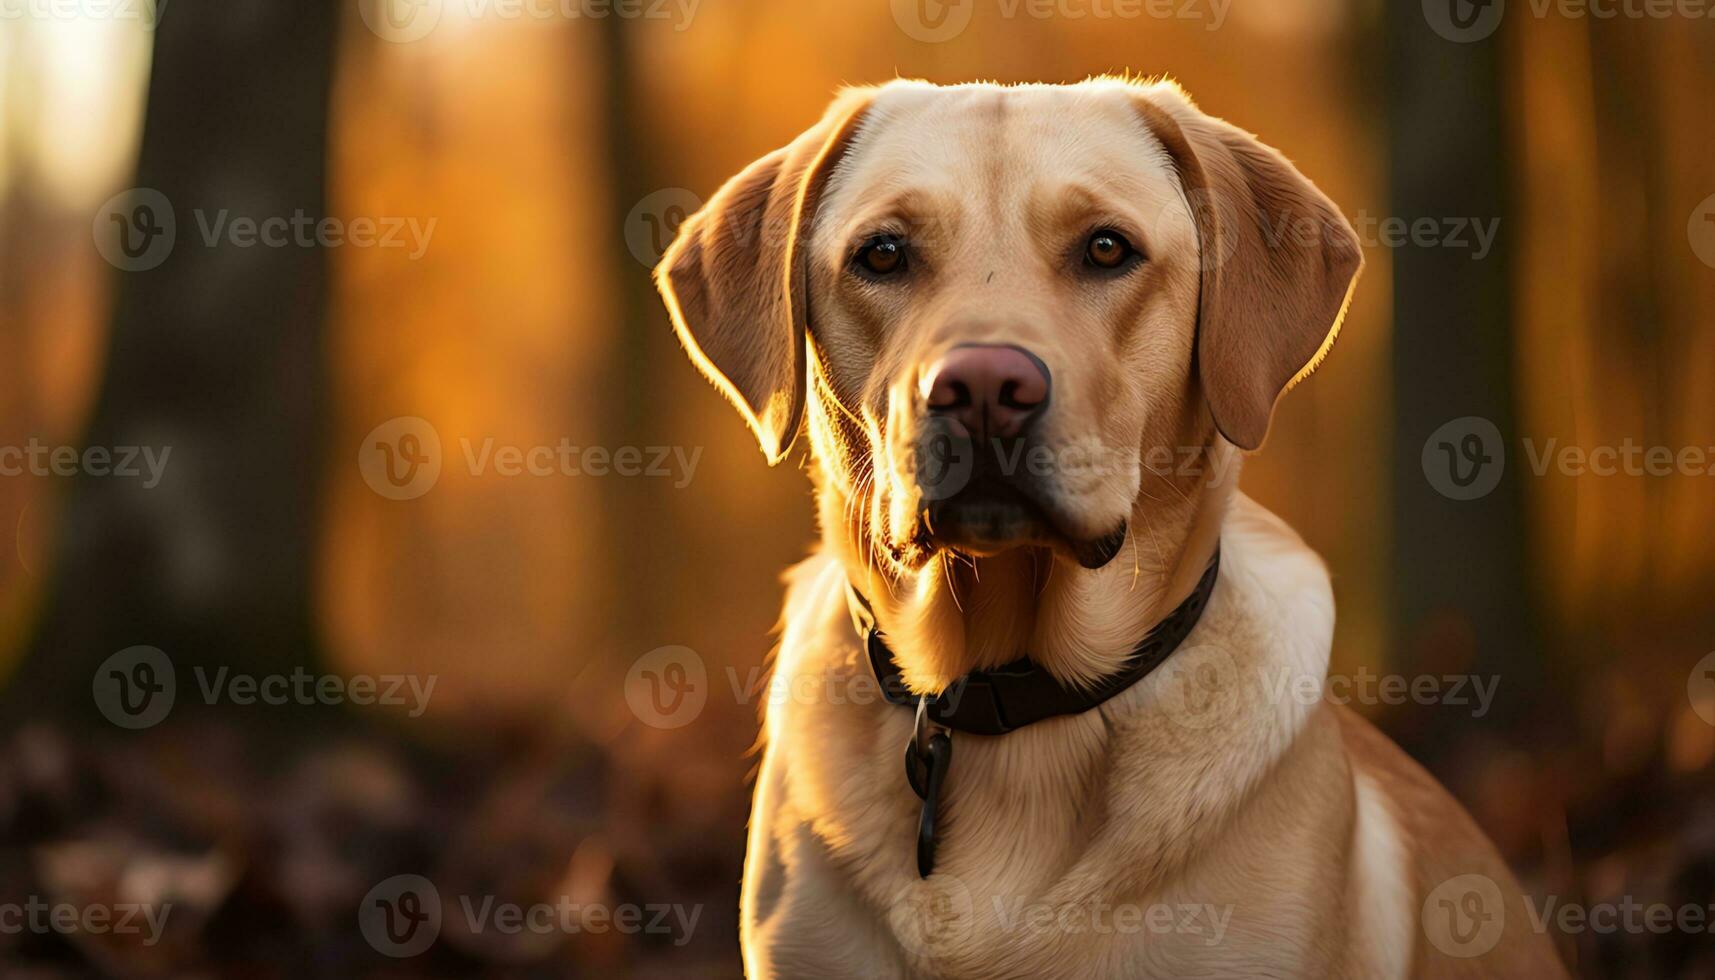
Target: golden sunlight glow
pixel 78 104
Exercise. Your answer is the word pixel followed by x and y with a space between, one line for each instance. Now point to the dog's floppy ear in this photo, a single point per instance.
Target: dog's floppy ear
pixel 735 278
pixel 1278 263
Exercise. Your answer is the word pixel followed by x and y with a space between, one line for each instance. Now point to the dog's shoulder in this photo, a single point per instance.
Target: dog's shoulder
pixel 1473 912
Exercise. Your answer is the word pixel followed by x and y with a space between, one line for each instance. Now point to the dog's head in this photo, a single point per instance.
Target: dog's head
pixel 1001 310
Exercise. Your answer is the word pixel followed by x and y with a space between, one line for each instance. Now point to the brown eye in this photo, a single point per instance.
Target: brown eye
pixel 883 255
pixel 1108 250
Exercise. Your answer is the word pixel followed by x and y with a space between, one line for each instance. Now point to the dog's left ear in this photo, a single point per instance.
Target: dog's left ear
pixel 735 278
pixel 1278 263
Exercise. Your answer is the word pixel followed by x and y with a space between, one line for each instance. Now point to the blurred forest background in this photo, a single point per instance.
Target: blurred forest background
pixel 554 152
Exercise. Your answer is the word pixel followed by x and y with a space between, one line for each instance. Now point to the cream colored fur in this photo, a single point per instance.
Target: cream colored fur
pixel 1200 824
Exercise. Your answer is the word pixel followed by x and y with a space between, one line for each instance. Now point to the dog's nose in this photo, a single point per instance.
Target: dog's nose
pixel 992 389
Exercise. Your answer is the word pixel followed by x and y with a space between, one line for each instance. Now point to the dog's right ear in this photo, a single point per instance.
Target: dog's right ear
pixel 735 277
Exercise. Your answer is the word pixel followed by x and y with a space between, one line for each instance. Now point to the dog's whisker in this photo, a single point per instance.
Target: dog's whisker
pixel 1171 485
pixel 821 379
pixel 952 583
pixel 1155 541
pixel 1136 566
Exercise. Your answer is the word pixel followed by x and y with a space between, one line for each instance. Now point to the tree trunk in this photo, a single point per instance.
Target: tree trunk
pixel 215 359
pixel 1462 601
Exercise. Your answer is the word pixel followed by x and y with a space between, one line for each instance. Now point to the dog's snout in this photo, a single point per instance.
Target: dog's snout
pixel 993 390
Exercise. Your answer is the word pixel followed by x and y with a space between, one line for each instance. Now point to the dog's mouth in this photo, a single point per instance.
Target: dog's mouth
pixel 975 500
pixel 992 519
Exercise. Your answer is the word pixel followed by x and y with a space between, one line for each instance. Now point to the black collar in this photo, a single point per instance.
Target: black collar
pixel 1007 698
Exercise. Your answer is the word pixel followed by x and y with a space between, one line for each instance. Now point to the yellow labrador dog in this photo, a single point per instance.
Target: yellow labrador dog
pixel 1048 698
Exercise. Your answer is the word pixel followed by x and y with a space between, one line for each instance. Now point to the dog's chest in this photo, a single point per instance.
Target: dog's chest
pixel 1018 889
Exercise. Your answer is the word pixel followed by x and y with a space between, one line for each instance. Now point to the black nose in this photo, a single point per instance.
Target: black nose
pixel 990 389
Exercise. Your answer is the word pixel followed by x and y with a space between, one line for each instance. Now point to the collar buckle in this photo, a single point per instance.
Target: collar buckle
pixel 918 757
pixel 927 757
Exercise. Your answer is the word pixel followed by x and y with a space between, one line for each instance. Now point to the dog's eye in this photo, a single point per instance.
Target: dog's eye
pixel 883 255
pixel 1108 249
